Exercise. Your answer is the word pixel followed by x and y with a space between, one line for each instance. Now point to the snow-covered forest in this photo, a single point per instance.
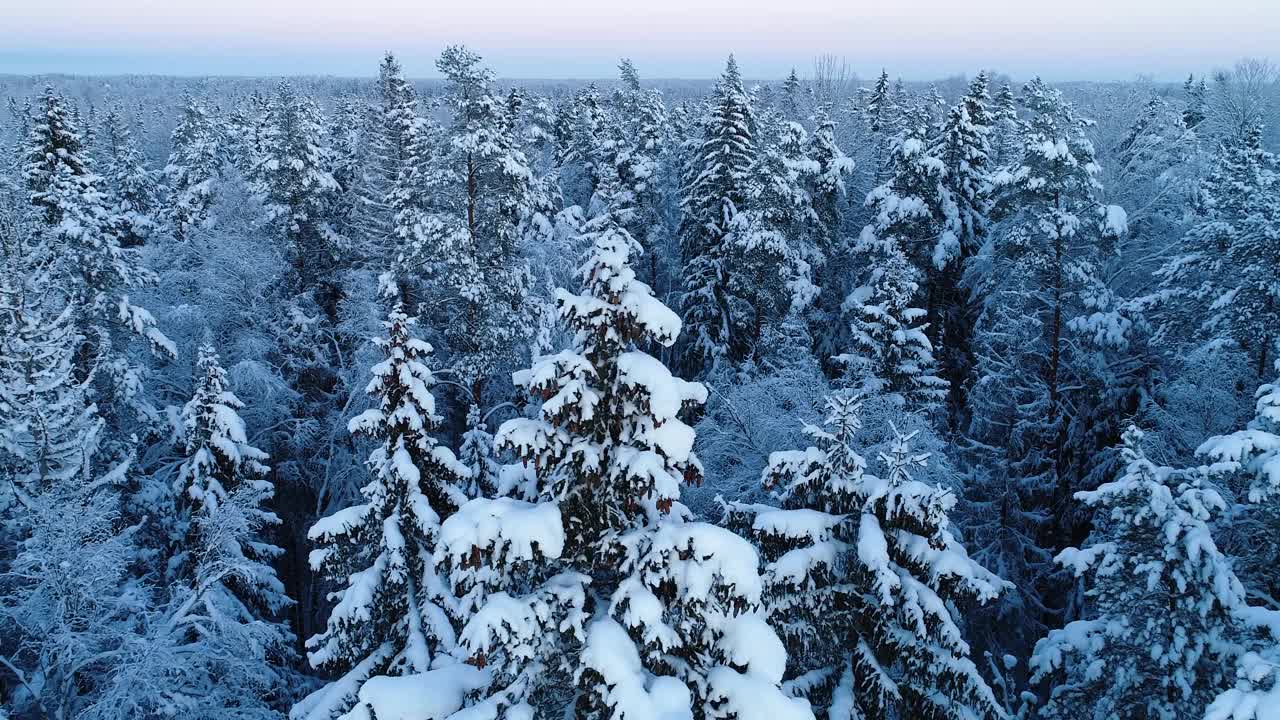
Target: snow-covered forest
pixel 800 399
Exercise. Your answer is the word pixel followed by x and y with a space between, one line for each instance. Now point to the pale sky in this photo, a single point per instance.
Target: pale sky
pixel 916 39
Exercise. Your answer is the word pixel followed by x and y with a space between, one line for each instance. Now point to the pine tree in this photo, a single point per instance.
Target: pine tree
pixel 883 117
pixel 76 236
pixel 1006 128
pixel 388 619
pixel 607 443
pixel 1153 167
pixel 1245 463
pixel 715 190
pixel 965 149
pixel 130 188
pixel 791 90
pixel 1196 108
pixel 1219 276
pixel 864 577
pixel 913 206
pixel 1035 276
pixel 488 192
pixel 640 141
pixel 65 595
pixel 1158 638
pixel 194 168
pixel 892 355
pixel 231 598
pixel 772 236
pixel 393 129
pixel 293 176
pixel 827 179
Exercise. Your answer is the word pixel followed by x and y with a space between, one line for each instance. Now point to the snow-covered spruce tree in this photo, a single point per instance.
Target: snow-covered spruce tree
pixel 1156 164
pixel 826 178
pixel 76 235
pixel 293 176
pixel 863 577
pixel 486 189
pixel 790 93
pixel 217 647
pixel 882 117
pixel 684 636
pixel 1219 278
pixel 771 241
pixel 892 353
pixel 1248 461
pixel 1247 464
pixel 608 445
pixel 607 442
pixel 130 187
pixel 913 206
pixel 1006 128
pixel 719 325
pixel 642 131
pixel 246 130
pixel 392 127
pixel 1037 273
pixel 194 168
pixel 1196 102
pixel 1158 640
pixel 964 147
pixel 220 468
pixel 388 619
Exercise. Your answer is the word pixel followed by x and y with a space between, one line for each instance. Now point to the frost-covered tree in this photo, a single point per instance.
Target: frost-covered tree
pixel 913 206
pixel 486 190
pixel 66 601
pixel 607 442
pixel 194 167
pixel 130 187
pixel 684 637
pixel 379 554
pixel 1006 128
pixel 294 178
pixel 1219 278
pixel 1158 637
pixel 865 578
pixel 891 353
pixel 219 463
pixel 76 235
pixel 718 323
pixel 772 244
pixel 391 129
pixel 1036 274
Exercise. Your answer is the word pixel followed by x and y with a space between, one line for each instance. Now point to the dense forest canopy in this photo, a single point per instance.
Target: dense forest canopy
pixel 803 398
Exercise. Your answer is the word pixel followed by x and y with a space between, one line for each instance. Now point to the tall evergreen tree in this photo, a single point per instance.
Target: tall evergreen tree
pixel 487 192
pixel 194 168
pixel 294 177
pixel 865 577
pixel 1219 277
pixel 77 237
pixel 130 188
pixel 891 355
pixel 1036 274
pixel 388 619
pixel 1158 640
pixel 715 190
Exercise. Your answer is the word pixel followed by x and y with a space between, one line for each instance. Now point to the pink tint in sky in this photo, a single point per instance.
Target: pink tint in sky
pixel 1067 39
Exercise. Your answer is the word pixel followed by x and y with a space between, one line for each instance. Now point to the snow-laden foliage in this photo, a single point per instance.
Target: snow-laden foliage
pixel 380 553
pixel 1027 271
pixel 1157 639
pixel 864 576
